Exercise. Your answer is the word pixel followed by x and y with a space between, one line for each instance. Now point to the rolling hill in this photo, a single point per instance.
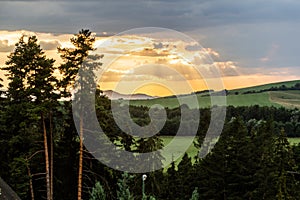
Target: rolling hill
pixel 274 94
pixel 115 95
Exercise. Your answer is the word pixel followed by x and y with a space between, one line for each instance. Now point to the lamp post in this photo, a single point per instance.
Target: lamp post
pixel 143 186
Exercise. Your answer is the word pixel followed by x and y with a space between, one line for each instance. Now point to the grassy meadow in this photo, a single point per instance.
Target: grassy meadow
pixel 192 151
pixel 287 98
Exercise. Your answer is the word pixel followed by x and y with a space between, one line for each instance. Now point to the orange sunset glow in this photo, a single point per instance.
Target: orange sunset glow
pixel 141 64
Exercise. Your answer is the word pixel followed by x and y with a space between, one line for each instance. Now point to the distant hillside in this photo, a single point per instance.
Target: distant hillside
pixel 287 84
pixel 116 96
pixel 274 94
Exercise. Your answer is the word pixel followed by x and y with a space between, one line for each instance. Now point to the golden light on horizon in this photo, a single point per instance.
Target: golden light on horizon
pixel 154 90
pixel 134 52
pixel 243 81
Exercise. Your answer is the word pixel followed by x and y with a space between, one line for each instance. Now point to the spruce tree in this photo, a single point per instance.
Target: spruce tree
pixel 287 187
pixel 172 183
pixel 185 177
pixel 75 59
pixel 123 192
pixel 98 192
pixel 32 84
pixel 195 195
pixel 225 171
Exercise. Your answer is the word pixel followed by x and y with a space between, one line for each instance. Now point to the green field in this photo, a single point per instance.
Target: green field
pixel 183 142
pixel 274 98
pixel 294 141
pixel 287 98
pixel 192 151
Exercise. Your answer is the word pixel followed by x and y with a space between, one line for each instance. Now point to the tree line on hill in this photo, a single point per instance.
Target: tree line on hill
pixel 43 157
pixel 281 117
pixel 282 87
pixel 225 92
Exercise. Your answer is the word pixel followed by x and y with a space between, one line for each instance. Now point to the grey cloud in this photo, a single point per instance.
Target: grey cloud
pixel 249 11
pixel 111 76
pixel 117 16
pixel 242 31
pixel 158 45
pixel 52 45
pixel 193 48
pixel 228 68
pixel 153 70
pixel 248 43
pixel 151 53
pixel 5 47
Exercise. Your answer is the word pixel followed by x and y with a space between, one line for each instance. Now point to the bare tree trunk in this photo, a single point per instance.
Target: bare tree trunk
pixel 29 173
pixel 51 155
pixel 46 159
pixel 80 158
pixel 30 181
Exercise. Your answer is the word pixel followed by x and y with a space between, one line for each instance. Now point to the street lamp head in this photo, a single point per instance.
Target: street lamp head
pixel 144 177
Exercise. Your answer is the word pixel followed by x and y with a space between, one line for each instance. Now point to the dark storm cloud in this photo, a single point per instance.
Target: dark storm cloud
pixel 116 16
pixel 242 31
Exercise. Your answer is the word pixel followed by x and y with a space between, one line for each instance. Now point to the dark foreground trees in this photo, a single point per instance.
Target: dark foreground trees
pixel 31 95
pixel 76 63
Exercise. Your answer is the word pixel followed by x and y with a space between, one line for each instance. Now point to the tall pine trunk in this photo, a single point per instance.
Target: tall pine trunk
pixel 46 159
pixel 51 155
pixel 80 158
pixel 30 182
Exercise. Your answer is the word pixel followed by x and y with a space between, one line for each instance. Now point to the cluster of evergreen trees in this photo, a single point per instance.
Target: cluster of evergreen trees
pixel 280 88
pixel 42 155
pixel 281 117
pixel 248 162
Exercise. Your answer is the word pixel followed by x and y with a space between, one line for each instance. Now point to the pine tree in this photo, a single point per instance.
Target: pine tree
pixel 274 177
pixel 172 185
pixel 151 144
pixel 225 171
pixel 75 59
pixel 263 139
pixel 195 195
pixel 185 177
pixel 17 68
pixel 31 81
pixel 123 192
pixel 98 192
pixel 287 187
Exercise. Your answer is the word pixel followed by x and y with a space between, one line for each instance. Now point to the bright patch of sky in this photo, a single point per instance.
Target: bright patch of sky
pixel 251 41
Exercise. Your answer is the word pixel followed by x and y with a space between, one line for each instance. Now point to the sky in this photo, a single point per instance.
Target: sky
pixel 251 42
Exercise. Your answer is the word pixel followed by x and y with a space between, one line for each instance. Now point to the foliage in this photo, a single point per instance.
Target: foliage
pixel 98 192
pixel 123 192
pixel 195 195
pixel 31 90
pixel 79 62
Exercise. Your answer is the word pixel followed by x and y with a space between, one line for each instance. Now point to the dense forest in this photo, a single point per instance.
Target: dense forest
pixel 43 157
